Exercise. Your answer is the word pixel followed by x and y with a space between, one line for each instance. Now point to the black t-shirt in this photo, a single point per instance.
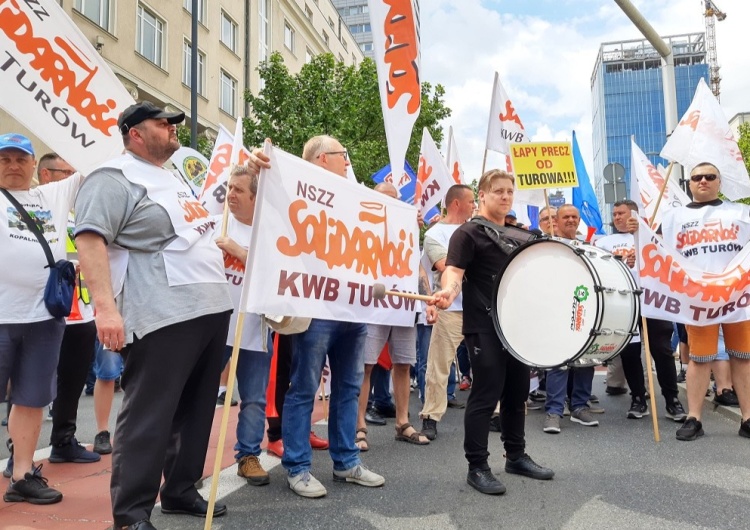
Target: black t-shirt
pixel 472 250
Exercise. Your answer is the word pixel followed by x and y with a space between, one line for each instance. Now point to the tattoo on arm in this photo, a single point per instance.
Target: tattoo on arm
pixel 455 287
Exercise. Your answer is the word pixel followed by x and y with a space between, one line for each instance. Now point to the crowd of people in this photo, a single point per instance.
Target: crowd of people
pixel 166 289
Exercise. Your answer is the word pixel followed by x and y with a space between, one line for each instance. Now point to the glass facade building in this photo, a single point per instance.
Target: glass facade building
pixel 356 15
pixel 628 100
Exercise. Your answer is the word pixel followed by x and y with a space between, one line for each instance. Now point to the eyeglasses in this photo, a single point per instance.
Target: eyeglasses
pixel 66 172
pixel 710 177
pixel 345 154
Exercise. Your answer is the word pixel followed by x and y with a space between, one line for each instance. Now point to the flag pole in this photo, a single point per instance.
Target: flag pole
pixel 224 420
pixel 484 160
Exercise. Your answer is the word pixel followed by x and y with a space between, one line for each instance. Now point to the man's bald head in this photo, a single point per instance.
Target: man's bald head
pixel 327 152
pixel 386 188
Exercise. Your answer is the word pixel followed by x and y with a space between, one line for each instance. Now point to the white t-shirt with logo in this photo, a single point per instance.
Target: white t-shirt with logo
pixel 441 234
pixel 22 259
pixel 620 245
pixel 709 236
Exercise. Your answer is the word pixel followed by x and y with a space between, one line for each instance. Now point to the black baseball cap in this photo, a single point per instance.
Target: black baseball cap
pixel 145 110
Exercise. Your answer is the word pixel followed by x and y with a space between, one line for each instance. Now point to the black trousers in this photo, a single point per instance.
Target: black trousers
pixel 498 376
pixel 283 369
pixel 76 354
pixel 170 380
pixel 660 342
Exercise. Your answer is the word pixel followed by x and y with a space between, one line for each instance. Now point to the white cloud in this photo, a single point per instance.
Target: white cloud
pixel 545 52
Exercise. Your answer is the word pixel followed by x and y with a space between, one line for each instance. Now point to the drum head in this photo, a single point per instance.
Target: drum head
pixel 546 304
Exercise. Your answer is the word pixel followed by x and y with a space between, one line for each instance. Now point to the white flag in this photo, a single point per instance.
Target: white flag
pixel 396 46
pixel 649 182
pixel 505 126
pixel 433 177
pixel 703 135
pixel 454 161
pixel 56 84
pixel 214 191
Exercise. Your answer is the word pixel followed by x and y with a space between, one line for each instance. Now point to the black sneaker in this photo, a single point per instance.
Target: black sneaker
pixel 745 429
pixel 616 390
pixel 676 412
pixel 495 423
pixel 32 489
pixel 8 471
pixel 690 430
pixel 728 398
pixel 594 398
pixel 429 428
pixel 681 375
pixel 538 396
pixel 102 443
pixel 484 481
pixel 525 466
pixel 455 404
pixel 72 452
pixel 638 408
pixel 222 399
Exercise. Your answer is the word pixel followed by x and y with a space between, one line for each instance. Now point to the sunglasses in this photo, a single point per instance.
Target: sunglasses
pixel 710 177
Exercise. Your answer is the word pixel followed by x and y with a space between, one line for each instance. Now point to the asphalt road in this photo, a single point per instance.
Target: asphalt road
pixel 611 476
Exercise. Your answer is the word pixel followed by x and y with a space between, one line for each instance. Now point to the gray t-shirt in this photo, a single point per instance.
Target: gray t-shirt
pixel 121 212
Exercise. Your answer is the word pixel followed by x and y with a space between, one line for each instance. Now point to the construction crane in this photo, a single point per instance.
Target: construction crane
pixel 712 14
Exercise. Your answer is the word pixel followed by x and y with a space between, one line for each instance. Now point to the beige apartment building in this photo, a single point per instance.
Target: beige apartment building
pixel 148 45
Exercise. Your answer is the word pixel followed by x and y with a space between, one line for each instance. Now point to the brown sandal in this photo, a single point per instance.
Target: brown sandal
pixel 362 438
pixel 412 438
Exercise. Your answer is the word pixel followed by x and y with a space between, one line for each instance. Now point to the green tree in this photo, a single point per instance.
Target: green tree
pixel 205 146
pixel 744 143
pixel 328 97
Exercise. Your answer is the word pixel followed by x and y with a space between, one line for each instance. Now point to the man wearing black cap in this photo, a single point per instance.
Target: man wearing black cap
pixel 157 279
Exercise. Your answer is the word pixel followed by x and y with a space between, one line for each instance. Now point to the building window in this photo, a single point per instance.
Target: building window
pixel 308 12
pixel 288 37
pixel 341 58
pixel 345 45
pixel 330 22
pixel 188 5
pixel 187 52
pixel 228 93
pixel 366 46
pixel 264 33
pixel 359 10
pixel 95 10
pixel 228 32
pixel 308 55
pixel 360 28
pixel 325 38
pixel 149 36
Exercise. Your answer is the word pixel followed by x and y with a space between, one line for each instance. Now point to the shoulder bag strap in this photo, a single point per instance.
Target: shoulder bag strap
pixel 32 226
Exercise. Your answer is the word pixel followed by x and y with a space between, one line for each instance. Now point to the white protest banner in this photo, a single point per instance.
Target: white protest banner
pixel 193 167
pixel 649 182
pixel 214 191
pixel 703 135
pixel 320 242
pixel 56 84
pixel 433 177
pixel 396 46
pixel 675 290
pixel 453 160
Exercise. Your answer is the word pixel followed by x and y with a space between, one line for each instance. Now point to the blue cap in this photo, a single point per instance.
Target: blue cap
pixel 16 141
pixel 511 214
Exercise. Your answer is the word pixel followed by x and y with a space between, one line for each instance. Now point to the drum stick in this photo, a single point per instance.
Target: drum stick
pixel 652 394
pixel 379 292
pixel 324 397
pixel 549 213
pixel 224 420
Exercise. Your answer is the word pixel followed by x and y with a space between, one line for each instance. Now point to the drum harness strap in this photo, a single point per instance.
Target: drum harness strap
pixel 507 239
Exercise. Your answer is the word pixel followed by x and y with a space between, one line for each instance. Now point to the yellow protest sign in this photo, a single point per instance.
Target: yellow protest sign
pixel 540 165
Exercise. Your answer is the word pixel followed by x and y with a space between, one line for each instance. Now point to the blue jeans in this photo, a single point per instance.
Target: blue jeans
pixel 344 344
pixel 252 379
pixel 380 381
pixel 424 333
pixel 452 383
pixel 464 364
pixel 107 364
pixel 557 388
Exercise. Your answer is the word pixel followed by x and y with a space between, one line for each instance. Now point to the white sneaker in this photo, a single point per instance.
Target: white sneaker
pixel 359 474
pixel 305 485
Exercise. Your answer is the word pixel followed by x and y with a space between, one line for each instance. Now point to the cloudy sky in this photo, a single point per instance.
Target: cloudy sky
pixel 545 50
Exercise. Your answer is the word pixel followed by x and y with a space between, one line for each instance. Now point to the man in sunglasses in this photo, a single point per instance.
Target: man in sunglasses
pixel 701 216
